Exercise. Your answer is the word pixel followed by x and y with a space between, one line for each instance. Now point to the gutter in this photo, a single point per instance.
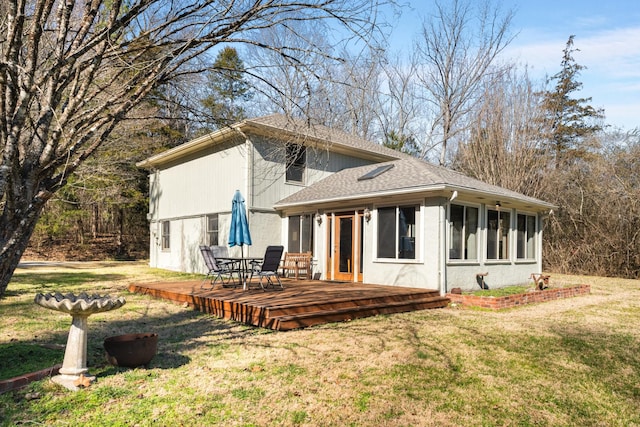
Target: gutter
pixel 433 188
pixel 189 147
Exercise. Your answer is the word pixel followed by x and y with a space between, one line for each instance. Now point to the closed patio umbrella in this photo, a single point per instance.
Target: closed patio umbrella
pixel 239 234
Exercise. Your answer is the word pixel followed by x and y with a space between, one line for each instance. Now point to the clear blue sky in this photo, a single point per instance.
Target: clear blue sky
pixel 607 33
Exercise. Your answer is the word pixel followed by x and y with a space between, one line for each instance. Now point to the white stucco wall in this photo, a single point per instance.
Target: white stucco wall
pixel 419 273
pixel 183 253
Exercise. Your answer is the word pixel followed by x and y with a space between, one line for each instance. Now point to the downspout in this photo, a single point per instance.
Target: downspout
pixel 248 190
pixel 442 273
pixel 249 180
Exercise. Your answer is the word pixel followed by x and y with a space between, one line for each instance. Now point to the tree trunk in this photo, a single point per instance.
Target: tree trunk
pixel 120 231
pixel 16 232
pixel 94 222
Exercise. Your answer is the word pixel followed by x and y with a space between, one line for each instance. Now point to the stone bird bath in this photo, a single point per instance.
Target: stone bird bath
pixel 74 366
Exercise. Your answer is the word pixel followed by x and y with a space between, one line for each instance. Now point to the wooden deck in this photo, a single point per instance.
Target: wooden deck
pixel 300 304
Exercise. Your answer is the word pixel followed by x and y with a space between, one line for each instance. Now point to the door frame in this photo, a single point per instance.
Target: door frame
pixel 357 243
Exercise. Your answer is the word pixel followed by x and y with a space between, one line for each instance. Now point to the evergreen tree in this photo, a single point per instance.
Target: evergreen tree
pixel 570 122
pixel 228 89
pixel 404 143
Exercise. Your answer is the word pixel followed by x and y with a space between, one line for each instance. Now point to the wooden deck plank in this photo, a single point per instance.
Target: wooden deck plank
pixel 300 304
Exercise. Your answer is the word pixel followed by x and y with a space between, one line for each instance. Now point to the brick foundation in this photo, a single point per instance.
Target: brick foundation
pixel 516 300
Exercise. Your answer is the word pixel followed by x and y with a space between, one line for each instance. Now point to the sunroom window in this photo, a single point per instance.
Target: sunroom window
pixel 397 232
pixel 526 244
pixel 498 233
pixel 300 233
pixel 463 232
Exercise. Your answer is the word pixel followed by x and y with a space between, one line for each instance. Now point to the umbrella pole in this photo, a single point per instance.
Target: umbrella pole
pixel 243 269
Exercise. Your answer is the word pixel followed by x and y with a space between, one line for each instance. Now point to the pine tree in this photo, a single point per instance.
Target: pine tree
pixel 228 89
pixel 571 122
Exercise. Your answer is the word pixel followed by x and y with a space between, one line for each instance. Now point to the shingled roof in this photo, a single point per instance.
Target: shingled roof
pixel 310 133
pixel 405 176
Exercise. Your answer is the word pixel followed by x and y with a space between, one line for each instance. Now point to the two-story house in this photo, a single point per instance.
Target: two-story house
pixel 367 213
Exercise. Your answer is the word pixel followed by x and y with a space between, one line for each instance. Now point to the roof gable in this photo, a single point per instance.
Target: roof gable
pixel 286 129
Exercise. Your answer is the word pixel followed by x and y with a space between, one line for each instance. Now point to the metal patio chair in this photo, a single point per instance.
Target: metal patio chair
pixel 268 267
pixel 216 270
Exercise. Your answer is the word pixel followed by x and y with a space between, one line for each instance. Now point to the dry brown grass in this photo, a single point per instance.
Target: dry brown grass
pixel 566 362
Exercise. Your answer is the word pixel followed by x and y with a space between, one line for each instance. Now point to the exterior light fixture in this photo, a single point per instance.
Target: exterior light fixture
pixel 367 214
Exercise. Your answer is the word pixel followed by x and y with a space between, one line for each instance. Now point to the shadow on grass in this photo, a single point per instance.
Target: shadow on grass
pixel 179 333
pixel 26 283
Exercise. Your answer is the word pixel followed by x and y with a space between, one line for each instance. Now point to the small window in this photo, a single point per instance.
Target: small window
pixel 166 235
pixel 397 232
pixel 295 162
pixel 498 234
pixel 212 230
pixel 463 232
pixel 526 245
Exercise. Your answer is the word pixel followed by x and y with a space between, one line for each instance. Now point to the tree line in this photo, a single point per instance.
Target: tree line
pixel 88 92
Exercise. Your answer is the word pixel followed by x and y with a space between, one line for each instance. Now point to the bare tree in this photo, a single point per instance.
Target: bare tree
pixel 457 51
pixel 339 90
pixel 596 229
pixel 288 84
pixel 400 113
pixel 503 145
pixel 70 72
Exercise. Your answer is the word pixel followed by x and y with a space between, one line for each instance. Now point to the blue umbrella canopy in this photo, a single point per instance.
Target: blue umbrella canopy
pixel 239 234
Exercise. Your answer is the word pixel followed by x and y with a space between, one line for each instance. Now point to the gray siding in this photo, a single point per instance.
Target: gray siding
pixel 201 185
pixel 269 171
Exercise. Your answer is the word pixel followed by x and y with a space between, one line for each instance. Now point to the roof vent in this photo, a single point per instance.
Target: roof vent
pixel 376 172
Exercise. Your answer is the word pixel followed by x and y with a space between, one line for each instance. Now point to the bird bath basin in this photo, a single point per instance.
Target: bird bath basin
pixel 74 366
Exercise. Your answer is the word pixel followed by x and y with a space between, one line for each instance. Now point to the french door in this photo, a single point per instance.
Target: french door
pixel 345 244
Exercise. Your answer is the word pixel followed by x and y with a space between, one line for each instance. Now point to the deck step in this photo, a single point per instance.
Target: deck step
pixel 346 303
pixel 311 318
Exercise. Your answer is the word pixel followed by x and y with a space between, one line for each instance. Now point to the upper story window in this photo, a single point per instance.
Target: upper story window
pixel 212 230
pixel 165 235
pixel 463 232
pixel 397 232
pixel 498 234
pixel 296 161
pixel 526 241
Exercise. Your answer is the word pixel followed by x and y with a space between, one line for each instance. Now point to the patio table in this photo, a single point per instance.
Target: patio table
pixel 243 271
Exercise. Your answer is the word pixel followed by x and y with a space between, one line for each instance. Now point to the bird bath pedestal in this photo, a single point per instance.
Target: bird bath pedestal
pixel 74 366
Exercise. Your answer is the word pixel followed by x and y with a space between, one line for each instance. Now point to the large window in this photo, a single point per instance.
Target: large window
pixel 526 245
pixel 296 161
pixel 165 236
pixel 498 233
pixel 397 232
pixel 212 230
pixel 300 233
pixel 463 232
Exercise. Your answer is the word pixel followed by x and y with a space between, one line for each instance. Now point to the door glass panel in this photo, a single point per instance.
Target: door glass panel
pixel 361 269
pixel 346 245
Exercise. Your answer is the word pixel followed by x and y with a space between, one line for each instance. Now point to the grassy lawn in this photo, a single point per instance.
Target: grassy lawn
pixel 566 362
